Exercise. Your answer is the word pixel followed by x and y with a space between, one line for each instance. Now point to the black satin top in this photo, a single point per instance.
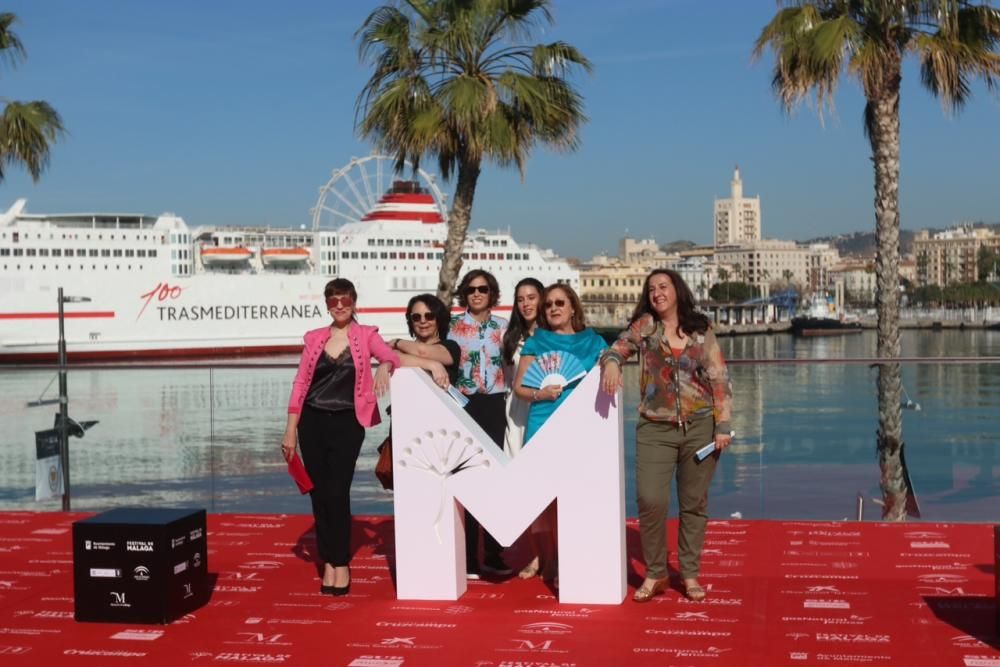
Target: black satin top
pixel 332 387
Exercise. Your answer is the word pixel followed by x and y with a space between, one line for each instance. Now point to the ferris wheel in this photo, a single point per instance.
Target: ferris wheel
pixel 354 189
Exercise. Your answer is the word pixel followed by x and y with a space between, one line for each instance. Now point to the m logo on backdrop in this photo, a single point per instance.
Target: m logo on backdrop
pixel 443 461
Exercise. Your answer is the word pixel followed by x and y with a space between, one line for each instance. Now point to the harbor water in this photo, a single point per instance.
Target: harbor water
pixel 805 443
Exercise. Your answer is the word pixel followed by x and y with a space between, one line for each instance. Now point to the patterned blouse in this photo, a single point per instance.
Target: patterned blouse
pixel 480 370
pixel 700 371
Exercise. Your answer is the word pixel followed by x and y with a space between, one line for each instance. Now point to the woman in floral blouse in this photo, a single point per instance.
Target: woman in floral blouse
pixel 685 404
pixel 479 334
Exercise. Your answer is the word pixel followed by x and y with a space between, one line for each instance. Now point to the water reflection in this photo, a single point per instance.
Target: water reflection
pixel 804 449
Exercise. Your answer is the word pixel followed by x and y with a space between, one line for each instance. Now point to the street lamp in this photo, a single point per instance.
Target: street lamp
pixel 64 397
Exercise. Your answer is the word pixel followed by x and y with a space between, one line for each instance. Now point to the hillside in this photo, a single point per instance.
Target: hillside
pixel 677 246
pixel 863 243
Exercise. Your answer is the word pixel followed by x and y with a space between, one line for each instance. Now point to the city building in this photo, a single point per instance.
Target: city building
pixel 951 256
pixel 858 279
pixel 645 252
pixel 762 263
pixel 610 292
pixel 610 287
pixel 908 269
pixel 699 273
pixel 737 219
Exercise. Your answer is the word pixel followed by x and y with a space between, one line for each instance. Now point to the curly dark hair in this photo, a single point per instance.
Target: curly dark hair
pixel 518 329
pixel 472 275
pixel 689 320
pixel 442 317
pixel 578 321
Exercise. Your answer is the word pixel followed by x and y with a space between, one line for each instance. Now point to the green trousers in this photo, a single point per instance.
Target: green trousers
pixel 663 449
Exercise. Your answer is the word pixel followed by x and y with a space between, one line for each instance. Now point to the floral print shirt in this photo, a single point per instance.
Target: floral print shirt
pixel 480 370
pixel 677 390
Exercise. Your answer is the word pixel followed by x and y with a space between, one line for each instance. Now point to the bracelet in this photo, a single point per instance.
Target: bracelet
pixel 534 396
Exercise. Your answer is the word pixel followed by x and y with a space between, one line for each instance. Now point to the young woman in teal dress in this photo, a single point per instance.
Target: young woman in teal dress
pixel 561 328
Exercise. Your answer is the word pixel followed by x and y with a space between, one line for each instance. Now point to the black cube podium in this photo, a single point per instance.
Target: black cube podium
pixel 140 565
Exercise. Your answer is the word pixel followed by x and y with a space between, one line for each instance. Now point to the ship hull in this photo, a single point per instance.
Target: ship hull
pixel 139 287
pixel 205 315
pixel 822 326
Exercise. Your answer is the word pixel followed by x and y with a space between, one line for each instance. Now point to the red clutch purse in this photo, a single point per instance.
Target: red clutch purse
pixel 383 467
pixel 298 472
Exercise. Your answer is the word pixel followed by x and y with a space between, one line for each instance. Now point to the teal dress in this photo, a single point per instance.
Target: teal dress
pixel 586 345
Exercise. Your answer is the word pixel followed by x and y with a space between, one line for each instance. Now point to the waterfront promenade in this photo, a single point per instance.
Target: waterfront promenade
pixel 926 324
pixel 780 593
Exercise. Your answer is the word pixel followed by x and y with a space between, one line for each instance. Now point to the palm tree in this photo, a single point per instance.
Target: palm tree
pixel 26 128
pixel 815 42
pixel 453 80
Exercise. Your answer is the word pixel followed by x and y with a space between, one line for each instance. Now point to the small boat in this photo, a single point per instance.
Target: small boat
pixel 225 256
pixel 821 317
pixel 284 256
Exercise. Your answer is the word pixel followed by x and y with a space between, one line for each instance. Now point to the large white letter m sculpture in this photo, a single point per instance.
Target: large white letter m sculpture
pixel 442 461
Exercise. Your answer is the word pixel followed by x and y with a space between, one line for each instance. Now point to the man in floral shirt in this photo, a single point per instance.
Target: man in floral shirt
pixel 479 334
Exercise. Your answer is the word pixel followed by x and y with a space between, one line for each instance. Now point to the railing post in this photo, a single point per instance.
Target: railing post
pixel 63 409
pixel 860 507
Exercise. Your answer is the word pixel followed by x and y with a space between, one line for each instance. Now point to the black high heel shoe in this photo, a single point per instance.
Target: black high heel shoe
pixel 337 590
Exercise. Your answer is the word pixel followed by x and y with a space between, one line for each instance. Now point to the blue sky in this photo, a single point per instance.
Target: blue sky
pixel 235 112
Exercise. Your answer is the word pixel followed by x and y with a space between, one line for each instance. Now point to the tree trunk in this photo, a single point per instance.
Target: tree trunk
pixel 458 226
pixel 884 137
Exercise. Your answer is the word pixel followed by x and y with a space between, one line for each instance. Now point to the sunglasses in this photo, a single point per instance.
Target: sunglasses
pixel 482 289
pixel 339 301
pixel 417 317
pixel 558 303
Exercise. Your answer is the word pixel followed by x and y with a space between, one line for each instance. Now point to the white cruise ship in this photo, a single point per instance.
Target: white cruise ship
pixel 158 288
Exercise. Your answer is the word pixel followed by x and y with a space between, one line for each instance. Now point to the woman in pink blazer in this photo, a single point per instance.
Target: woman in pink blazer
pixel 333 401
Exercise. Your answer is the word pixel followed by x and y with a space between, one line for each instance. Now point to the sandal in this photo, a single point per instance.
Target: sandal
pixel 694 592
pixel 649 589
pixel 531 570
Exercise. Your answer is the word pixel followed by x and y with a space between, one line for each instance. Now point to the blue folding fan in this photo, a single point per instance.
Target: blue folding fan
pixel 558 368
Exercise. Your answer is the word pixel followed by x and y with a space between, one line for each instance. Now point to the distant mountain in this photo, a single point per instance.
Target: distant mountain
pixel 677 246
pixel 862 244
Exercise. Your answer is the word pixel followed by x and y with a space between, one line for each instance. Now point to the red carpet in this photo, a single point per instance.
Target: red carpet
pixel 780 593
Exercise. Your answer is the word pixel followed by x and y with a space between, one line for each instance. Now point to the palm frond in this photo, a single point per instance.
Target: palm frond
pixel 558 59
pixel 810 48
pixel 964 49
pixel 516 20
pixel 483 93
pixel 385 28
pixel 11 48
pixel 27 130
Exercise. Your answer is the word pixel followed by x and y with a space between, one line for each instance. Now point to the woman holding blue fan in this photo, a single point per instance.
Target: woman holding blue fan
pixel 553 360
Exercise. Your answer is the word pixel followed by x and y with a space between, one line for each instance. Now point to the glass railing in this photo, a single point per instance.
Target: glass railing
pixel 208 435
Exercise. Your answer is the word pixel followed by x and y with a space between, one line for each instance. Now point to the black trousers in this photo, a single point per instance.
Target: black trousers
pixel 330 444
pixel 489 411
